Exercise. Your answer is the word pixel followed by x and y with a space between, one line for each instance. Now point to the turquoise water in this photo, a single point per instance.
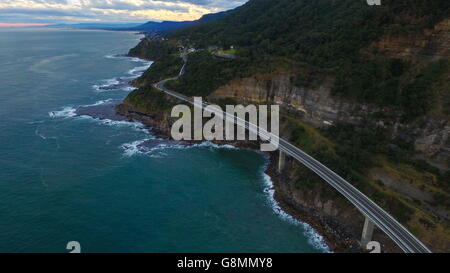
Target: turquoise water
pixel 66 178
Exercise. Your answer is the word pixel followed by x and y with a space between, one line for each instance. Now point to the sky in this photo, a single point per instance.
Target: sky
pixel 36 12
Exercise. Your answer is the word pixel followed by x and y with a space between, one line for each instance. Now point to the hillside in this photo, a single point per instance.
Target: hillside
pixel 321 32
pixel 329 36
pixel 174 25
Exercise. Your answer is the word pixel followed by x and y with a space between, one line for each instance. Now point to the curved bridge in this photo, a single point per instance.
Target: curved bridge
pixel 374 214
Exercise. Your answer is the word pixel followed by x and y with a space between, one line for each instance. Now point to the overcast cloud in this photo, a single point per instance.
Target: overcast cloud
pixel 77 11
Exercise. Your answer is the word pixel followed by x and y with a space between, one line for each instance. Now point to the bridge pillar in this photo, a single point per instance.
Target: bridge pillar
pixel 367 232
pixel 281 161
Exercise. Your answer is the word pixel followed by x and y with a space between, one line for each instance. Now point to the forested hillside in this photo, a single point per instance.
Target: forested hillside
pixel 332 37
pixel 324 33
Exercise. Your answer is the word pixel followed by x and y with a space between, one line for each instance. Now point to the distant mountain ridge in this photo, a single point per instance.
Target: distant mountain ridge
pixel 150 26
pixel 172 25
pixel 96 25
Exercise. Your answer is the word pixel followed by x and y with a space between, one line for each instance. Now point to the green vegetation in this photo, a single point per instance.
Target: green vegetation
pixel 328 37
pixel 230 51
pixel 322 33
pixel 165 67
pixel 321 37
pixel 383 82
pixel 204 74
pixel 350 159
pixel 166 57
pixel 419 96
pixel 354 151
pixel 149 100
pixel 153 49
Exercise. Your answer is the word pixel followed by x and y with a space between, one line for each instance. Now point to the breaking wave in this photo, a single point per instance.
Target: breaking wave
pixel 139 70
pixel 314 238
pixel 114 84
pixel 136 125
pixel 133 148
pixel 139 147
pixel 70 111
pixel 66 112
pixel 123 83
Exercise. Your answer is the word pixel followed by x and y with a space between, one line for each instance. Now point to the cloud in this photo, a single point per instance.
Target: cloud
pixel 41 12
pixel 59 11
pixel 9 25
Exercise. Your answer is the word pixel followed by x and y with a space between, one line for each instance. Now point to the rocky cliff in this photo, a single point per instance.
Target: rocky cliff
pixel 318 107
pixel 431 44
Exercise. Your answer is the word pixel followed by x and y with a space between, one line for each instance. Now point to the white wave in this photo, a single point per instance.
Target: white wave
pixel 142 149
pixel 137 60
pixel 183 146
pixel 115 87
pixel 122 83
pixel 111 56
pixel 100 102
pixel 69 111
pixel 129 88
pixel 112 81
pixel 66 112
pixel 133 148
pixel 314 238
pixel 138 126
pixel 109 83
pixel 133 59
pixel 214 146
pixel 137 71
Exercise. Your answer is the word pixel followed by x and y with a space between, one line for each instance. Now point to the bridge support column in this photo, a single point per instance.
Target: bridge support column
pixel 281 161
pixel 367 232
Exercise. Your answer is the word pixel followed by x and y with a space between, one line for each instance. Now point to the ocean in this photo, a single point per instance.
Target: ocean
pixel 66 176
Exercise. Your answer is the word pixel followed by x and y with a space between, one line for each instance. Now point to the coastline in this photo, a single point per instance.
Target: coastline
pixel 320 236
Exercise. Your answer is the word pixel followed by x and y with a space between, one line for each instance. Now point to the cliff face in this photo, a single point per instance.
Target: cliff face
pixel 432 44
pixel 318 107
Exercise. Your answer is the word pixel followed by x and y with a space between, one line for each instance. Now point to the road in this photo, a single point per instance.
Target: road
pixel 397 232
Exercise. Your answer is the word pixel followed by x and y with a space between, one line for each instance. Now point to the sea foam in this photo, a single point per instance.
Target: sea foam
pixel 133 148
pixel 123 83
pixel 66 112
pixel 136 125
pixel 314 238
pixel 138 147
pixel 139 70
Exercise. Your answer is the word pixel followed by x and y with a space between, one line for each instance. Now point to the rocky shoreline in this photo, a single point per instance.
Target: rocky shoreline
pixel 335 238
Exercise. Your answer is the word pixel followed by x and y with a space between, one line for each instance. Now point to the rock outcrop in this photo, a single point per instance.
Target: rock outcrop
pixel 432 44
pixel 318 107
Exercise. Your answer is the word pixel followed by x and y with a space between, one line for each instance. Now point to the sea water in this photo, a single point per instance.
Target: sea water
pixel 69 177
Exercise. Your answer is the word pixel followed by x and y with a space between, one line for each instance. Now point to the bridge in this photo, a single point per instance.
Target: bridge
pixel 374 214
